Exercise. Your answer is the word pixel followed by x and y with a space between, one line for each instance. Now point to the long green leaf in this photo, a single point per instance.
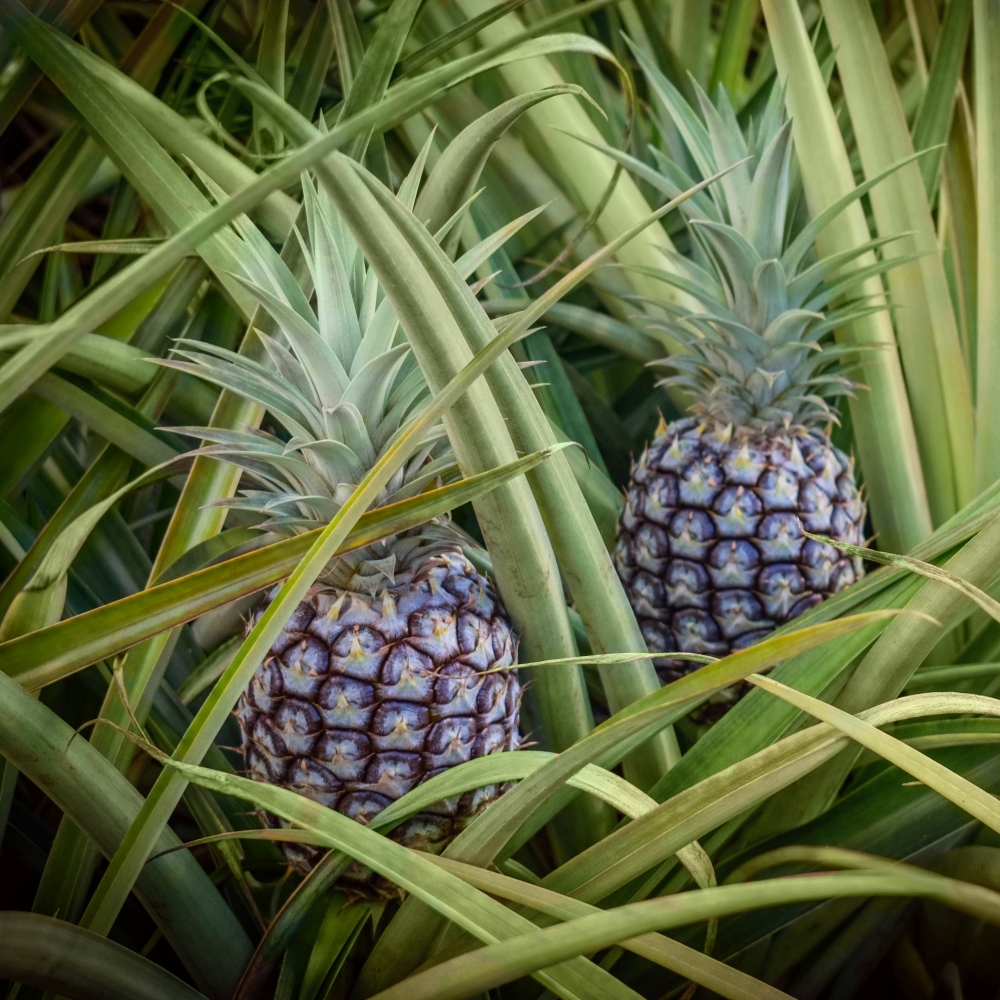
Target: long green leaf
pixel 206 936
pixel 639 847
pixel 271 66
pixel 500 963
pixel 138 245
pixel 454 177
pixel 54 955
pixel 118 366
pixel 372 79
pixel 694 965
pixel 734 47
pixel 952 786
pixel 825 857
pixel 51 654
pixel 602 329
pixel 933 121
pixel 987 38
pixel 882 419
pixel 884 815
pixel 121 429
pixel 411 63
pixel 928 336
pixel 400 102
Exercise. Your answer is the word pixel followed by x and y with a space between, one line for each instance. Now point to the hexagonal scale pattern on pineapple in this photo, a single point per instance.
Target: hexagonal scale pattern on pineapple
pixel 712 549
pixel 363 698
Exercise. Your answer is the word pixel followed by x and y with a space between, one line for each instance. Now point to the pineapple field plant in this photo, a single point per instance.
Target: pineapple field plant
pixel 419 419
pixel 399 663
pixel 714 548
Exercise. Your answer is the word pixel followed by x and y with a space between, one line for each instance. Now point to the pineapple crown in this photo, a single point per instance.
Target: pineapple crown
pixel 755 354
pixel 341 382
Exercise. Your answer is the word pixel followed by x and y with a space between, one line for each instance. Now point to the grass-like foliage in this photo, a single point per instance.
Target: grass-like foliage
pixel 332 339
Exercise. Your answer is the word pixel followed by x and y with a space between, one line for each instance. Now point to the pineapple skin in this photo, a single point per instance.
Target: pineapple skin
pixel 711 549
pixel 363 698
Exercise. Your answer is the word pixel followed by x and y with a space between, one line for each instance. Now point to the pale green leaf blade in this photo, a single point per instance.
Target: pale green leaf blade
pixel 952 786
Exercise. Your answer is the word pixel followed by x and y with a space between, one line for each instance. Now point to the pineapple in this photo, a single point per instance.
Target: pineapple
pixel 401 661
pixel 712 547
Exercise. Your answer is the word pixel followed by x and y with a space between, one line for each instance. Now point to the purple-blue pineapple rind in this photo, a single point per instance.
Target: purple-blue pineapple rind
pixel 712 550
pixel 363 698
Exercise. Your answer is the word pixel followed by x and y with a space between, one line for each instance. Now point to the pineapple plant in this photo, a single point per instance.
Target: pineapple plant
pixel 229 915
pixel 713 547
pixel 401 661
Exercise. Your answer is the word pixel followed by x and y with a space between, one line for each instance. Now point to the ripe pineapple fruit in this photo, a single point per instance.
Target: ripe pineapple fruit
pixel 711 548
pixel 379 680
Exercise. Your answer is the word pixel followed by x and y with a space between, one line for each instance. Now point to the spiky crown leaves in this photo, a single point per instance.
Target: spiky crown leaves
pixel 341 382
pixel 755 355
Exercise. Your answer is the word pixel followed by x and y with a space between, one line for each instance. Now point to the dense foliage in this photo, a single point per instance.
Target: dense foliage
pixel 332 338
